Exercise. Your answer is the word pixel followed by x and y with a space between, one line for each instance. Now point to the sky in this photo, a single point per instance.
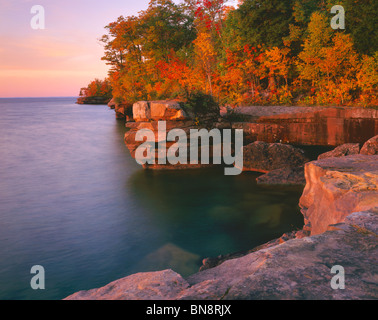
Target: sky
pixel 65 56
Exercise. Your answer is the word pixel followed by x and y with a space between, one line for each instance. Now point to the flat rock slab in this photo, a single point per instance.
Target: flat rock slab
pixel 163 285
pixel 266 111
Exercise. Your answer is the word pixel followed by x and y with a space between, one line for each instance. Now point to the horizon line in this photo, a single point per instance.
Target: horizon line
pixel 39 97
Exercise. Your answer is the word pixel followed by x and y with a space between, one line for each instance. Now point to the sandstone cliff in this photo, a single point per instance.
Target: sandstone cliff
pixel 337 187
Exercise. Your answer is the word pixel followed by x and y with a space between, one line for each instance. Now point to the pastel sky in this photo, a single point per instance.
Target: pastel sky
pixel 66 55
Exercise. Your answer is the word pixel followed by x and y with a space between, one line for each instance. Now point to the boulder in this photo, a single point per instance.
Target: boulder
pixel 167 110
pixel 346 149
pixel 336 187
pixel 264 157
pixel 370 147
pixel 141 111
pixel 112 103
pixel 284 176
pixel 158 110
pixel 124 111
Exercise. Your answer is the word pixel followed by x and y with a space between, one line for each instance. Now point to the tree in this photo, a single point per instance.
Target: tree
pixel 134 46
pixel 302 11
pixel 319 36
pixel 367 79
pixel 361 23
pixel 339 67
pixel 178 77
pixel 97 88
pixel 329 60
pixel 206 55
pixel 264 51
pixel 277 62
pixel 166 27
pixel 259 22
pixel 122 42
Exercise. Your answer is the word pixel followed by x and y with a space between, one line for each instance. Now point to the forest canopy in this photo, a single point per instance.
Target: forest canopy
pixel 261 52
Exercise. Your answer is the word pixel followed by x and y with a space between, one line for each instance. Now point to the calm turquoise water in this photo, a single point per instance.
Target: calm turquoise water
pixel 74 201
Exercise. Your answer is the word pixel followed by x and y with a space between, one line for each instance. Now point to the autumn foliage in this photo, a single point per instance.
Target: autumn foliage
pixel 262 52
pixel 97 88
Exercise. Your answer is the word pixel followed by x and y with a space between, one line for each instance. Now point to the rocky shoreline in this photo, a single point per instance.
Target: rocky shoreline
pixel 93 100
pixel 298 268
pixel 339 205
pixel 267 148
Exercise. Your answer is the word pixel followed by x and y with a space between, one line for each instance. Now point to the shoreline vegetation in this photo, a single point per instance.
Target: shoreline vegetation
pixel 260 53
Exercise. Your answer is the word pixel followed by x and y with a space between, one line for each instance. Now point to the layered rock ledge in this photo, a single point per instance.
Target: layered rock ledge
pixel 344 234
pixel 308 125
pixel 92 100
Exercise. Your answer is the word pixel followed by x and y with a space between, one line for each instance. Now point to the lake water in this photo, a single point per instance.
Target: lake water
pixel 74 201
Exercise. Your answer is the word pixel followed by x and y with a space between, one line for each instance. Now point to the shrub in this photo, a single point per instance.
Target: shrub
pixel 202 106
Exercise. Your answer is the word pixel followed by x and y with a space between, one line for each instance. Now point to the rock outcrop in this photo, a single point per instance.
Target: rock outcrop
pixel 92 100
pixel 337 187
pixel 264 157
pixel 124 111
pixel 309 125
pixel 346 149
pixel 370 147
pixel 265 128
pixel 284 176
pixel 158 110
pixel 185 125
pixel 164 285
pixel 148 114
pixel 340 207
pixel 298 268
pixel 295 175
pixel 112 103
